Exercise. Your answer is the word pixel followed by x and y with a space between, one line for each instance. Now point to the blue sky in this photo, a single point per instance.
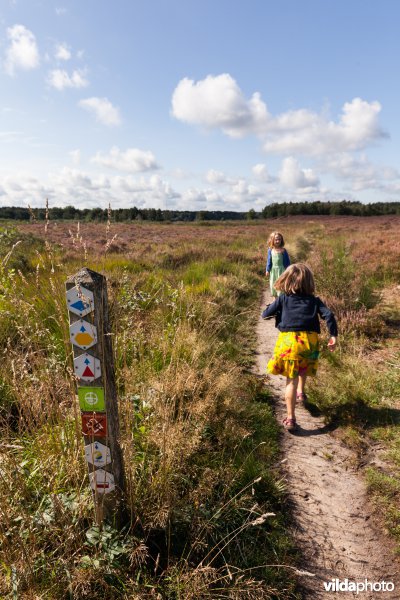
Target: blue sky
pixel 218 104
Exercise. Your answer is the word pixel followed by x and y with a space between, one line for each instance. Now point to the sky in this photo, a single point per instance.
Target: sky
pixel 198 104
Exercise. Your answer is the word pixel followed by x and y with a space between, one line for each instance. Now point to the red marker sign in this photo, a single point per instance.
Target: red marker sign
pixel 94 424
pixel 87 367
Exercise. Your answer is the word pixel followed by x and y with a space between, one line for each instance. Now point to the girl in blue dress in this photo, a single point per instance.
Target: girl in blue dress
pixel 277 260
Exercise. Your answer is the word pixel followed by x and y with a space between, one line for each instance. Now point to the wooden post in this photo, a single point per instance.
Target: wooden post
pixel 95 372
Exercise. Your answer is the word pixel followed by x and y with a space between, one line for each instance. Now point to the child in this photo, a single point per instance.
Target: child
pixel 297 347
pixel 277 260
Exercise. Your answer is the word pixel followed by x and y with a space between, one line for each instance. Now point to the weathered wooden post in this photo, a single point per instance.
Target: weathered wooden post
pixel 95 373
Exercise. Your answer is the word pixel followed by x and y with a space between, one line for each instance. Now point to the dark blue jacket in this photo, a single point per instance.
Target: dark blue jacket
pixel 300 313
pixel 286 260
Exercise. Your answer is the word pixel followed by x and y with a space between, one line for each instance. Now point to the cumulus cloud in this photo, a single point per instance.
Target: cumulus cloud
pixel 260 172
pixel 132 160
pixel 216 177
pixel 22 51
pixel 304 132
pixel 85 190
pixel 359 171
pixel 103 110
pixel 62 52
pixel 200 199
pixel 218 102
pixel 60 79
pixel 242 193
pixel 293 176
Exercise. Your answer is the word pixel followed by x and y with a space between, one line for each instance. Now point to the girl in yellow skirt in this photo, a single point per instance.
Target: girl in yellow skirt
pixel 296 353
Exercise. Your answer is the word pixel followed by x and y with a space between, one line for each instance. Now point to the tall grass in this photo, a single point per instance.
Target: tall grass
pixel 198 435
pixel 358 388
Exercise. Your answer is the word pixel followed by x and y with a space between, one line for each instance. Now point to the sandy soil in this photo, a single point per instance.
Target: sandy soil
pixel 333 523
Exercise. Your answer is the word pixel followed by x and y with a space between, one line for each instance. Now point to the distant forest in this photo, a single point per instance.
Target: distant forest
pixel 283 209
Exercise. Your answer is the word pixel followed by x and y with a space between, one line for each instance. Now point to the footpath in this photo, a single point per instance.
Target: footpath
pixel 333 524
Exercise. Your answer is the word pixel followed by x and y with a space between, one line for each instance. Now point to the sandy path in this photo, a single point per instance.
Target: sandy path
pixel 333 526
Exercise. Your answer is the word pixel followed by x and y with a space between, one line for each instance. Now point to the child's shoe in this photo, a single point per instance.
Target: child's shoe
pixel 290 424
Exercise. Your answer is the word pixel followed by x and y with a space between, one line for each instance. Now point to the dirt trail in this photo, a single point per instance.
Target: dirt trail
pixel 334 527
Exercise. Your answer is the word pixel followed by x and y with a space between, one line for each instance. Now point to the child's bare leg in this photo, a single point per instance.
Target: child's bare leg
pixel 302 384
pixel 290 396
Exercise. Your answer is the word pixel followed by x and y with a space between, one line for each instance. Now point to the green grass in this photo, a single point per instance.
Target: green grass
pixel 358 388
pixel 200 440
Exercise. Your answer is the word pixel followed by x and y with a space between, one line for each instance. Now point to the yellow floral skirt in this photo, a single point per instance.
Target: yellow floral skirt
pixel 296 353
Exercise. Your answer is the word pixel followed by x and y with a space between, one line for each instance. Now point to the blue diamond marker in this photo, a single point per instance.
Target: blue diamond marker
pixel 79 305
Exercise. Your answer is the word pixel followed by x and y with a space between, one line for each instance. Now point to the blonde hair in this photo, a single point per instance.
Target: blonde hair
pixel 297 279
pixel 271 239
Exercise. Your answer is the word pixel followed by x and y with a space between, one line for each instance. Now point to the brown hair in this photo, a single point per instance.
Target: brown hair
pixel 297 279
pixel 271 239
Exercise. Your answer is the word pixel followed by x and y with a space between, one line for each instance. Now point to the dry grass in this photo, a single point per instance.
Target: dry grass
pixel 191 432
pixel 184 299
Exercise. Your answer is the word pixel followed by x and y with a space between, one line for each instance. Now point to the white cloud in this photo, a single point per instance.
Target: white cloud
pixel 200 199
pixel 307 133
pixel 86 190
pixel 260 172
pixel 132 160
pixel 242 194
pixel 22 52
pixel 62 52
pixel 82 189
pixel 218 102
pixel 359 171
pixel 60 11
pixel 216 177
pixel 103 110
pixel 292 176
pixel 60 79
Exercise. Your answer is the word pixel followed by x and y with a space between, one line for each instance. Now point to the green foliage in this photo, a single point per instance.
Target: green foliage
pixel 345 207
pixel 282 209
pixel 110 549
pixel 386 492
pixel 16 249
pixel 337 276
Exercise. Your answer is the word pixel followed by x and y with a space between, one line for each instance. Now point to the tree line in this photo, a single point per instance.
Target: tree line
pixel 282 209
pixel 345 207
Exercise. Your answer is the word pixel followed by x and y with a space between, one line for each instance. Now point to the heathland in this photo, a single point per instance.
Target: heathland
pixel 208 506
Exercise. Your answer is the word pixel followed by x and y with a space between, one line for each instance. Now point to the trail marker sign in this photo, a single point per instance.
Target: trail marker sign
pixel 97 392
pixel 94 424
pixel 83 334
pixel 80 301
pixel 102 481
pixel 87 367
pixel 91 399
pixel 97 454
